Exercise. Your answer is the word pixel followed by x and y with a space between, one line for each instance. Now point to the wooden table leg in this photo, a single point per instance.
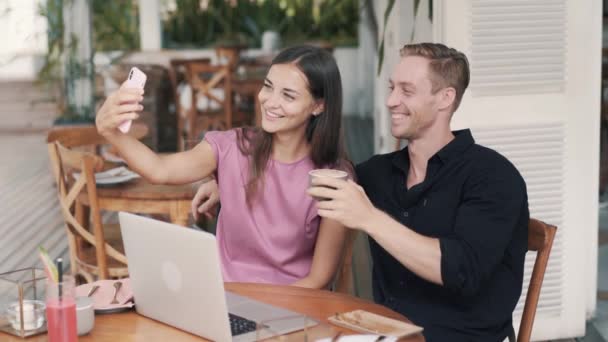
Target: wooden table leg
pixel 180 210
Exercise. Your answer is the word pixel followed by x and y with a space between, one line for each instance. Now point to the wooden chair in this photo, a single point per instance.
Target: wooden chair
pixel 85 137
pixel 540 239
pixel 92 254
pixel 178 74
pixel 229 55
pixel 204 80
pixel 246 85
pixel 76 136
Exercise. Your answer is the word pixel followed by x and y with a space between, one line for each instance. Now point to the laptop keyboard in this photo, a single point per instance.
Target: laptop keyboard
pixel 240 325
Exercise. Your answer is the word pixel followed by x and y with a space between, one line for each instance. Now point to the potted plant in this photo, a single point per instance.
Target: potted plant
pixel 266 24
pixel 68 65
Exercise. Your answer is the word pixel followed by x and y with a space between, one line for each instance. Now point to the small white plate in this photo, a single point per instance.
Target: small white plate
pixel 116 175
pixel 109 156
pixel 105 293
pixel 124 307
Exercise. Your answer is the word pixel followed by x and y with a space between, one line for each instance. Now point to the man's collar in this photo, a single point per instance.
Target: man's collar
pixel 462 140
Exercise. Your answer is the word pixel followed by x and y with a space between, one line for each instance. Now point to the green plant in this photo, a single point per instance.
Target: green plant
pixel 244 21
pixel 115 25
pixel 268 17
pixel 62 67
pixel 114 28
pixel 50 73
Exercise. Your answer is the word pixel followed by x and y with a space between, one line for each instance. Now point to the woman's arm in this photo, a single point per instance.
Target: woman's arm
pixel 178 168
pixel 206 199
pixel 328 252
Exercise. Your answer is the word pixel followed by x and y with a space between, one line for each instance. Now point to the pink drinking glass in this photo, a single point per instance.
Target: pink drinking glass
pixel 61 310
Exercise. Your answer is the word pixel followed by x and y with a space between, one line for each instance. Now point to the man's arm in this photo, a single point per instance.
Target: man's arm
pixel 420 254
pixel 483 228
pixel 350 206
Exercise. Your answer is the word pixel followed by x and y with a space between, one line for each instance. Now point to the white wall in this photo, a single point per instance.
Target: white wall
pixel 24 39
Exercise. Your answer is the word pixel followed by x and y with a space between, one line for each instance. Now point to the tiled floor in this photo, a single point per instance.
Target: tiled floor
pixel 27 193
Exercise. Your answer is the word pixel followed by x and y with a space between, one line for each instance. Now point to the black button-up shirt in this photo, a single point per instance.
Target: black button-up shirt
pixel 474 201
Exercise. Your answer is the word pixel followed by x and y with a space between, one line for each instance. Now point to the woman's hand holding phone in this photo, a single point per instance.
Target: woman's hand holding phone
pixel 121 107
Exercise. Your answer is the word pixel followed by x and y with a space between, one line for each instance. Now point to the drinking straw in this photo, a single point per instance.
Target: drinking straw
pixel 49 266
pixel 59 262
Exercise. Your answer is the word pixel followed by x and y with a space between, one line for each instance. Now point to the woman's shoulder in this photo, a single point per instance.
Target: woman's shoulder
pixel 237 138
pixel 229 135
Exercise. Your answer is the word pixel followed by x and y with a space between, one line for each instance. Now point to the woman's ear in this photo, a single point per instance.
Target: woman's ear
pixel 319 108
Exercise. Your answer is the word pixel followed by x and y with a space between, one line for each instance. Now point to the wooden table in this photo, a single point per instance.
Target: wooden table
pixel 141 196
pixel 318 304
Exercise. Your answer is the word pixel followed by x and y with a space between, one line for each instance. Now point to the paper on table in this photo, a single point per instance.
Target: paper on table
pixel 368 322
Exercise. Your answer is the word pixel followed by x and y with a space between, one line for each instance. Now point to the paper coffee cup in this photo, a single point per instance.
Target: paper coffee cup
pixel 325 173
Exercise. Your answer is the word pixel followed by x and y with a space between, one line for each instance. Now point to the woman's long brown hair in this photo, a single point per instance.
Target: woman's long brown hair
pixel 323 132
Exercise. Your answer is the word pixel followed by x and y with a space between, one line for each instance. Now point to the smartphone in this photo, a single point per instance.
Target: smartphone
pixel 136 79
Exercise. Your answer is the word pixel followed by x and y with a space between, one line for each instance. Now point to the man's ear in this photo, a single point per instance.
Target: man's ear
pixel 319 108
pixel 447 98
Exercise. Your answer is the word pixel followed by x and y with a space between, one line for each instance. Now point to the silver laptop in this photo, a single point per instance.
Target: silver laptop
pixel 176 279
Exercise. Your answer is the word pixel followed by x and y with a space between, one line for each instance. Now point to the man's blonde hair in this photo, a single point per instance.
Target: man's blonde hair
pixel 448 67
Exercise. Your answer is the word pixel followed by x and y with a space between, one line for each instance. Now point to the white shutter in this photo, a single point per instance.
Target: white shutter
pixel 538 153
pixel 517 47
pixel 534 96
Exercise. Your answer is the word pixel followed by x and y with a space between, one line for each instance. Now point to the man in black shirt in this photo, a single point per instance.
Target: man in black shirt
pixel 447 218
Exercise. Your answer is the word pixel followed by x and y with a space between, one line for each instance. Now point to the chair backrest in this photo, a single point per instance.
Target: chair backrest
pixel 209 81
pixel 75 136
pixel 86 135
pixel 73 191
pixel 178 74
pixel 540 239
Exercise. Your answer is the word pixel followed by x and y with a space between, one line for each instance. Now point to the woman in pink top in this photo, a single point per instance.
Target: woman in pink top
pixel 268 228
